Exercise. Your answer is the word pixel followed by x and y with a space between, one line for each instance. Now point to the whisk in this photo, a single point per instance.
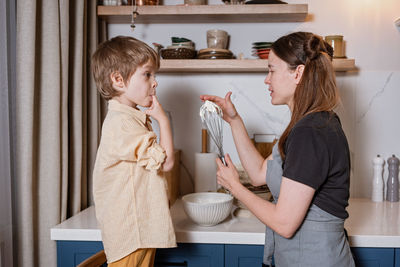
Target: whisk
pixel 211 117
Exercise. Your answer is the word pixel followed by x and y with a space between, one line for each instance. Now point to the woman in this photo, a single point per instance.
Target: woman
pixel 309 168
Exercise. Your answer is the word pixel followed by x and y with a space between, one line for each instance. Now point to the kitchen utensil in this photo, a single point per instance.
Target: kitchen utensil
pixel 264 143
pixel 179 39
pixel 195 2
pixel 146 2
pixel 392 190
pixel 217 39
pixel 233 2
pixel 377 182
pixel 207 208
pixel 203 140
pixel 205 172
pixel 189 44
pixel 211 117
pixel 178 53
pixel 261 49
pixel 214 53
pixel 263 2
pixel 205 168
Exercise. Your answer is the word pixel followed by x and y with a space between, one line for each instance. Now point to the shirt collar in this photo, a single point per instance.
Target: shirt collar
pixel 115 105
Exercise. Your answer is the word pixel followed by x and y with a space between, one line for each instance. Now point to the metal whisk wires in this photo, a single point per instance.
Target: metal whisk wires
pixel 211 117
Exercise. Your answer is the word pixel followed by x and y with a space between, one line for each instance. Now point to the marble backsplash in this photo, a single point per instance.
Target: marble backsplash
pixel 368 111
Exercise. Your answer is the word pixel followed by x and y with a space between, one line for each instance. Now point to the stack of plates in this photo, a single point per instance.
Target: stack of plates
pixel 214 53
pixel 180 42
pixel 261 49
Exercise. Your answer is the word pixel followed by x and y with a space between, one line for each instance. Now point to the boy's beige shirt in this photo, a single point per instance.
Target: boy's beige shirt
pixel 130 192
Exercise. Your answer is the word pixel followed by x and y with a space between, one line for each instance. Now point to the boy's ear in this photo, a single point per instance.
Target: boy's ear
pixel 117 80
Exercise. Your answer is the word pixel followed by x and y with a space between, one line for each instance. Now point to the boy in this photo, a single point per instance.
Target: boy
pixel 129 190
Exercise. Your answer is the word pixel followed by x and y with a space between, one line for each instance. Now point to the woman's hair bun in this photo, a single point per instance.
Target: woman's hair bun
pixel 314 46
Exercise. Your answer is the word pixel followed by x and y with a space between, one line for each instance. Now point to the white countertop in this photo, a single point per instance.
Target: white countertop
pixel 370 225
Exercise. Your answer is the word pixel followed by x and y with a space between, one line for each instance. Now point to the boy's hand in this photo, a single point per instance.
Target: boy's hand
pixel 156 111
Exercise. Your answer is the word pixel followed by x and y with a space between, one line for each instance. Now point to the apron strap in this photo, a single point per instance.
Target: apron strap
pixel 322 226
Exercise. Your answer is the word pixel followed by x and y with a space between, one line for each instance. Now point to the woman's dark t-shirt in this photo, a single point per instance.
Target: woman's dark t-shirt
pixel 317 155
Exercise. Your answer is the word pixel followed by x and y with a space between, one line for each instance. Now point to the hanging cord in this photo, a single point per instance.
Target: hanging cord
pixel 134 14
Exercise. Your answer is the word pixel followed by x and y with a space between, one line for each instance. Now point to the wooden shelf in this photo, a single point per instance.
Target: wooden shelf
pixel 214 14
pixel 206 13
pixel 232 65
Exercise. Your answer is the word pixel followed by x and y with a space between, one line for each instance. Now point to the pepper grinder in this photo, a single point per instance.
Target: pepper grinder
pixel 377 182
pixel 393 179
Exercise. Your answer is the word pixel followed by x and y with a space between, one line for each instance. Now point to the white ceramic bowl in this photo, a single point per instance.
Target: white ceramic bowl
pixel 207 208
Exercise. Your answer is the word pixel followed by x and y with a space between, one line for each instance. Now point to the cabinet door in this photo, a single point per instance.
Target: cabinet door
pixel 71 253
pixel 373 257
pixel 244 255
pixel 191 255
pixel 397 257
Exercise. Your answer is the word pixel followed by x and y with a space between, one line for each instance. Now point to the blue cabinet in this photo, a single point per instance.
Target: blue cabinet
pixel 374 257
pixel 191 255
pixel 71 253
pixel 397 257
pixel 243 255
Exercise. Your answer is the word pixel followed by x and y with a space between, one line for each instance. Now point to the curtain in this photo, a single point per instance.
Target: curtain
pixel 7 84
pixel 57 121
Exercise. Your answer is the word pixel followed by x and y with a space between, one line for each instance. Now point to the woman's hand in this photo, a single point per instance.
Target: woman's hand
pixel 156 111
pixel 225 104
pixel 227 176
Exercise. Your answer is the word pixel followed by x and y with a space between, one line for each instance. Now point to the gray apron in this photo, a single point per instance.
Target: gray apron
pixel 319 241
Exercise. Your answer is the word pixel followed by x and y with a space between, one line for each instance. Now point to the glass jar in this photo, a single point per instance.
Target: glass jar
pixel 336 41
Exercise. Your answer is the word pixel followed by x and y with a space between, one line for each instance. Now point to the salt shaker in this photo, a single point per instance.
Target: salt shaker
pixel 393 180
pixel 377 182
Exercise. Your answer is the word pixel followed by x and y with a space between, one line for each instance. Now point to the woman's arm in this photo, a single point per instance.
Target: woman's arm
pixel 252 161
pixel 285 216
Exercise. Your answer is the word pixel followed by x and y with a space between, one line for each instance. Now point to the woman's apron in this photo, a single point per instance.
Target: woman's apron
pixel 319 241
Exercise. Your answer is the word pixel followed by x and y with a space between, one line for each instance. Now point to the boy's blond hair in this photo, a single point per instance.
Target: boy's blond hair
pixel 121 54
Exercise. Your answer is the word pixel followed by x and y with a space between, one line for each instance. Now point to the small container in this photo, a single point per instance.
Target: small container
pixel 377 182
pixel 195 2
pixel 392 193
pixel 178 53
pixel 146 2
pixel 336 41
pixel 233 2
pixel 217 39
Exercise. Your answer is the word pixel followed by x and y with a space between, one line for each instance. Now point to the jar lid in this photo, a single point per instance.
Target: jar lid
pixel 334 37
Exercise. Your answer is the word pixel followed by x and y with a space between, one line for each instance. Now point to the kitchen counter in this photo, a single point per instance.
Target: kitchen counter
pixel 370 225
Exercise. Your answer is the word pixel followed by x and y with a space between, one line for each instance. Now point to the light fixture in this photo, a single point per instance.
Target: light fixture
pixel 134 15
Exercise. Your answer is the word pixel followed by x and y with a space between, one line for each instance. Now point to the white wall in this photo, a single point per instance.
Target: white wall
pixel 370 96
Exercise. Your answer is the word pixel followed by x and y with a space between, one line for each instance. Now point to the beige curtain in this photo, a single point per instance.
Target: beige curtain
pixel 58 120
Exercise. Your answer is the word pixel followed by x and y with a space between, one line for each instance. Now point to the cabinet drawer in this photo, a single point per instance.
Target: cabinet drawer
pixel 373 257
pixel 71 253
pixel 243 255
pixel 191 255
